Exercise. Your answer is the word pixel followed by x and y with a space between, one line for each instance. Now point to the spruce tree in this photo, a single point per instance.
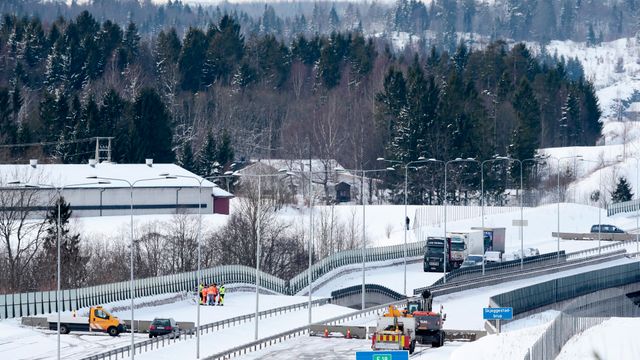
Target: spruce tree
pixel 225 152
pixel 73 273
pixel 151 134
pixel 187 160
pixel 622 192
pixel 524 140
pixel 207 156
pixel 192 58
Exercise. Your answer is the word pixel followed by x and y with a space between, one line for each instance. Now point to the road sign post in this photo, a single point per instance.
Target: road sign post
pixel 383 355
pixel 503 313
pixel 497 314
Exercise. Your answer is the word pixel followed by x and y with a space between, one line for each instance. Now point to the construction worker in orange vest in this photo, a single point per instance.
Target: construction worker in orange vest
pixel 205 291
pixel 214 290
pixel 211 295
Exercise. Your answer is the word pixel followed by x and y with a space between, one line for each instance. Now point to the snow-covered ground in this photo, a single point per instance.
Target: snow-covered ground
pixel 512 343
pixel 616 338
pixel 22 342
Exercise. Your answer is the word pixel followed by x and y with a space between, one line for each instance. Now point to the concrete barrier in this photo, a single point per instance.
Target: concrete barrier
pixel 469 335
pixel 357 332
pixel 35 321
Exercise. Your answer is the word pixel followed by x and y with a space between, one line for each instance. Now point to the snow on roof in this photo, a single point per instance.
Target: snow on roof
pixel 67 174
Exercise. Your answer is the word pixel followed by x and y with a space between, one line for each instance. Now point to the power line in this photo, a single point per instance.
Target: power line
pixel 49 143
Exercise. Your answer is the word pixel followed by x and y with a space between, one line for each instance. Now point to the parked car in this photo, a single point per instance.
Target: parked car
pixel 493 256
pixel 164 326
pixel 603 228
pixel 527 252
pixel 472 260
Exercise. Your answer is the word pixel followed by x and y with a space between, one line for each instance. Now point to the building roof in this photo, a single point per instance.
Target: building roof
pixel 67 174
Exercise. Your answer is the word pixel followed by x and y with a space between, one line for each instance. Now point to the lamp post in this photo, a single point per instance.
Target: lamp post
pixel 59 190
pixel 558 159
pixel 482 206
pixel 637 204
pixel 258 226
pixel 600 196
pixel 406 165
pixel 131 289
pixel 444 201
pixel 200 180
pixel 364 232
pixel 521 207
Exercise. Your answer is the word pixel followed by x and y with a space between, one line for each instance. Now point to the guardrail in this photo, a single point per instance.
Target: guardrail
pixel 368 288
pixel 278 338
pixel 161 341
pixel 530 263
pixel 34 303
pixel 622 207
pixel 556 290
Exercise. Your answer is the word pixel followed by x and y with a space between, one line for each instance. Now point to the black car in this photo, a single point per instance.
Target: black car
pixel 603 228
pixel 166 326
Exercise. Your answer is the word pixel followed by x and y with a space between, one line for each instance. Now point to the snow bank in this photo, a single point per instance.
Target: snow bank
pixel 613 339
pixel 510 344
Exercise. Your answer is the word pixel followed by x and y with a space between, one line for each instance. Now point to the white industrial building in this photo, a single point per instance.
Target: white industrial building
pixel 108 194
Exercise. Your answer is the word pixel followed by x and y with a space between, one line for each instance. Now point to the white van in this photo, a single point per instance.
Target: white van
pixel 493 256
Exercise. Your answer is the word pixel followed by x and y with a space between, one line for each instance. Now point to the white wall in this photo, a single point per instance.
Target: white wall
pixel 160 200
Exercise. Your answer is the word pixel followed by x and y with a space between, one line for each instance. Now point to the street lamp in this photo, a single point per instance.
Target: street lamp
pixel 131 253
pixel 637 205
pixel 444 201
pixel 600 197
pixel 59 190
pixel 258 225
pixel 200 180
pixel 406 165
pixel 521 207
pixel 364 231
pixel 558 159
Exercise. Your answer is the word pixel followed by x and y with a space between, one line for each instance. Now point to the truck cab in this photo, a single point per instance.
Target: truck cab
pixel 434 257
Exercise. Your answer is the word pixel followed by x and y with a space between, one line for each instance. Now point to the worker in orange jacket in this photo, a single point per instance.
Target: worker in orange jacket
pixel 205 292
pixel 213 291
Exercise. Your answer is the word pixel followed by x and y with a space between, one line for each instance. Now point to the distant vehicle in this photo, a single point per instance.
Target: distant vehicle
pixel 164 326
pixel 99 320
pixel 493 256
pixel 603 228
pixel 527 252
pixel 434 255
pixel 472 260
pixel 463 243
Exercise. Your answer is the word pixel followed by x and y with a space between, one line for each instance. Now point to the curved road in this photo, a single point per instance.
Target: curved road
pixel 312 348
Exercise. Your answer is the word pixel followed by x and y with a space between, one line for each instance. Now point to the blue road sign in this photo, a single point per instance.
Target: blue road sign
pixel 505 313
pixel 383 355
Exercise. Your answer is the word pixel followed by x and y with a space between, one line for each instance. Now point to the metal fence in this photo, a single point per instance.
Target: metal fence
pixel 565 288
pixel 368 288
pixel 350 257
pixel 622 207
pixel 161 341
pixel 529 264
pixel 433 215
pixel 580 314
pixel 34 303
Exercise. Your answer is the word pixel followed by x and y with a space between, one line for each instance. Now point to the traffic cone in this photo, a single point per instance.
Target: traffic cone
pixel 326 332
pixel 348 333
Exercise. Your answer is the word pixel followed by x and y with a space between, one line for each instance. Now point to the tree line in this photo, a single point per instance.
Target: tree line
pixel 214 96
pixel 522 20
